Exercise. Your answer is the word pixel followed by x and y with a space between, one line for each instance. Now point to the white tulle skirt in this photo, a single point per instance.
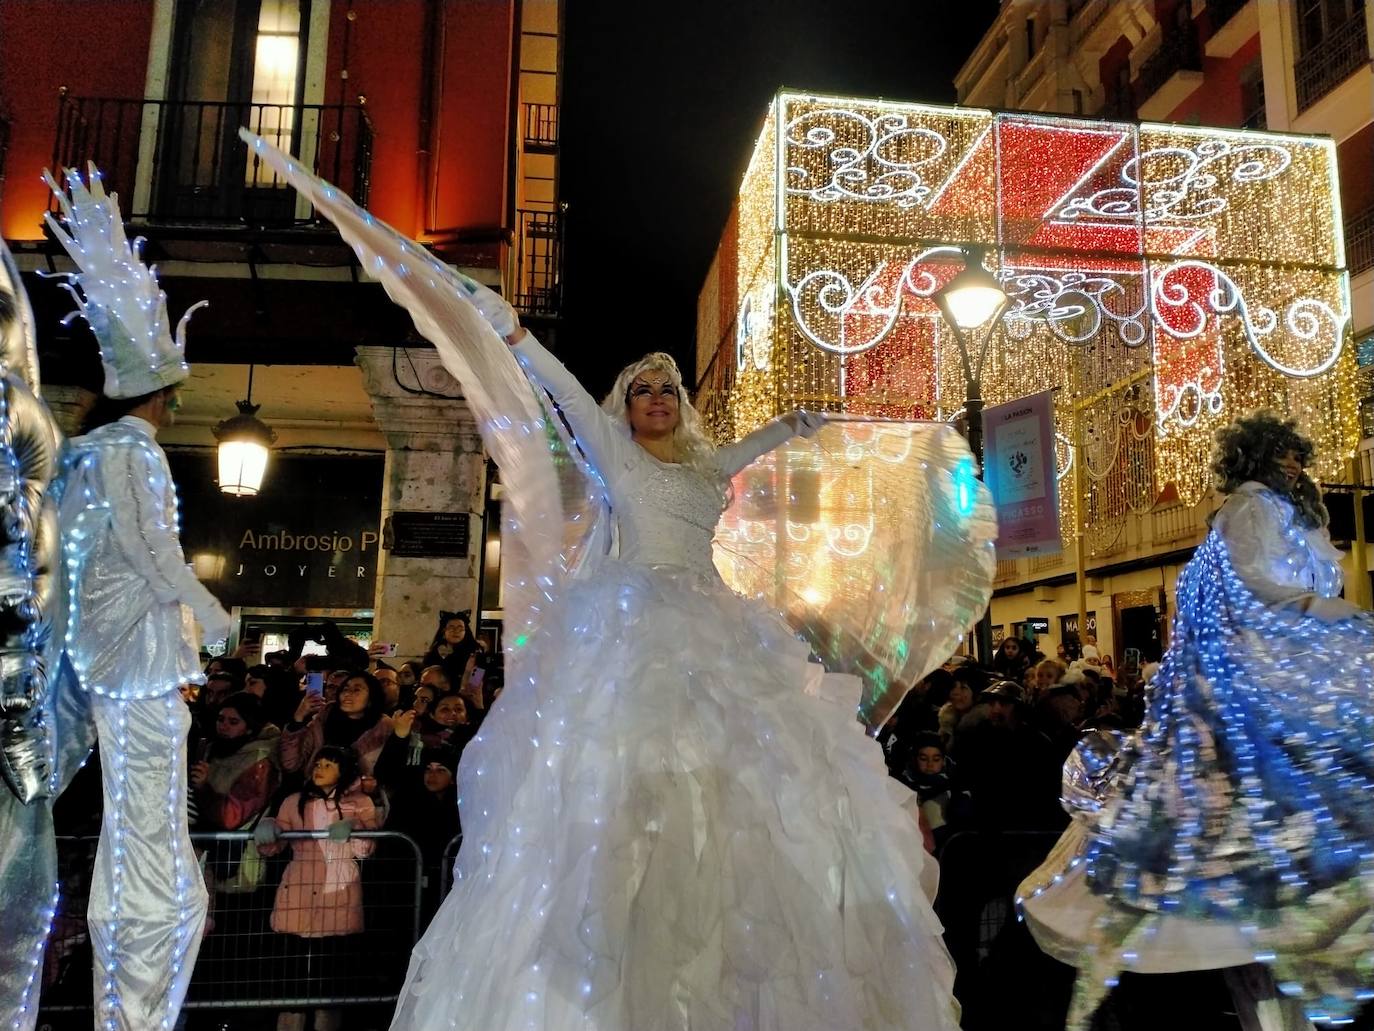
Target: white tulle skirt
pixel 674 824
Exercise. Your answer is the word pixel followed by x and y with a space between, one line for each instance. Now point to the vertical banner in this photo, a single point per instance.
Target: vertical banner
pixel 1019 467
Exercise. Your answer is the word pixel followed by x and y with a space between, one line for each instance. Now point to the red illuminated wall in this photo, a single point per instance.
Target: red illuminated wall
pixel 95 47
pixel 385 56
pixel 1219 100
pixel 382 48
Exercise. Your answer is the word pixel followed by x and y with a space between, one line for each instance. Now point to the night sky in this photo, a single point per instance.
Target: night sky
pixel 659 117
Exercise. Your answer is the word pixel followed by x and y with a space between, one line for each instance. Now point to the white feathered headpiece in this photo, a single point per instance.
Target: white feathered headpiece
pixel 116 292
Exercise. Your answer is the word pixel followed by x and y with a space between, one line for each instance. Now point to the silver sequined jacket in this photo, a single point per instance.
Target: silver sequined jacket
pixel 131 594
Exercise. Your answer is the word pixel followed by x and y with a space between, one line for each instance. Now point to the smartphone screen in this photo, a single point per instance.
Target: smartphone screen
pixel 314 683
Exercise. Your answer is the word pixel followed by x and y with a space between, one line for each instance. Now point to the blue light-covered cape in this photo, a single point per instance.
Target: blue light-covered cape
pixel 1237 825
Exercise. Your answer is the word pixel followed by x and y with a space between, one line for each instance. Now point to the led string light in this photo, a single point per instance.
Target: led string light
pixel 1181 273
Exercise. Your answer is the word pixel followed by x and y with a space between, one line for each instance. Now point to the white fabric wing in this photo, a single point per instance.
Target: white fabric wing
pixel 553 511
pixel 875 539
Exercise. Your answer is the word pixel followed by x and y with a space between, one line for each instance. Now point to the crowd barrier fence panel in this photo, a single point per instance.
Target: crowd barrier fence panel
pixel 243 963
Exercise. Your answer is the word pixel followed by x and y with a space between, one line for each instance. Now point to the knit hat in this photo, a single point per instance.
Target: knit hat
pixel 116 292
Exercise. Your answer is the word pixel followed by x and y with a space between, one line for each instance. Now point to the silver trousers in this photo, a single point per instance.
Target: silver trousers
pixel 148 899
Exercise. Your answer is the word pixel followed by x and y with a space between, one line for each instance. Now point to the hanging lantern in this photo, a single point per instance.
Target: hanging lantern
pixel 244 444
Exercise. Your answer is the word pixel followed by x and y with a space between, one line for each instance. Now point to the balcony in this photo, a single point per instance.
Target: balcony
pixel 1256 119
pixel 541 128
pixel 1332 61
pixel 1177 523
pixel 182 163
pixel 1233 23
pixel 538 263
pixel 1168 76
pixel 1359 241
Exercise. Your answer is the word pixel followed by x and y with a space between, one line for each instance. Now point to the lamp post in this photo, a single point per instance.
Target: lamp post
pixel 244 444
pixel 972 304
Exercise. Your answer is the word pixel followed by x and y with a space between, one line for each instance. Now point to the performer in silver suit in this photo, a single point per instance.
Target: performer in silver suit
pixel 45 730
pixel 130 637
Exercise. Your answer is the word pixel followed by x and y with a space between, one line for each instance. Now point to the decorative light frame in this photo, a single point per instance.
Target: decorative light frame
pixel 1165 278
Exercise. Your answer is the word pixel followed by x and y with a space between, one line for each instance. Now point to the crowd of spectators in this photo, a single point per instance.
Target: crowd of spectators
pixel 376 747
pixel 983 747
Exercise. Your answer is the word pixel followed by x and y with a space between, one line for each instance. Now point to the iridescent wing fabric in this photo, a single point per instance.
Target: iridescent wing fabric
pixel 875 539
pixel 554 514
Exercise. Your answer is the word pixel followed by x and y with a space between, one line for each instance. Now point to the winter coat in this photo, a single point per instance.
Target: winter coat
pixel 321 892
pixel 240 785
pixel 299 745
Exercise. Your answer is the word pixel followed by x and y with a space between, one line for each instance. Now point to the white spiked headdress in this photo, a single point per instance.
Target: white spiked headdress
pixel 116 292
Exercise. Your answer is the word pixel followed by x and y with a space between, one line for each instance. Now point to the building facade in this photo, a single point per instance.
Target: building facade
pixel 1160 278
pixel 440 116
pixel 1304 66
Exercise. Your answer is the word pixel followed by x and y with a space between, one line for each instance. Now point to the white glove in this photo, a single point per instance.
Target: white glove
pixel 492 307
pixel 214 622
pixel 804 423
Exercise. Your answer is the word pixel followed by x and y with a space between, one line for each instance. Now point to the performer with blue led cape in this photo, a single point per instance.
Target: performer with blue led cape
pixel 1235 829
pixel 669 825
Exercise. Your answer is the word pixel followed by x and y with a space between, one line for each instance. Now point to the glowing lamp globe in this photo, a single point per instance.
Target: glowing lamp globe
pixel 973 296
pixel 244 444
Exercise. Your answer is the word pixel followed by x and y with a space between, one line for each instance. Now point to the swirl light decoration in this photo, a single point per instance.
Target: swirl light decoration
pixel 1164 278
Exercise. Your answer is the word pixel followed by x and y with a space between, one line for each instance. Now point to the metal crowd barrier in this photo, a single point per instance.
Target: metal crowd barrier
pixel 1002 978
pixel 446 861
pixel 243 963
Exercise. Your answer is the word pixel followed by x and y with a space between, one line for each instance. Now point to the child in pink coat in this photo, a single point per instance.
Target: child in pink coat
pixel 319 902
pixel 321 891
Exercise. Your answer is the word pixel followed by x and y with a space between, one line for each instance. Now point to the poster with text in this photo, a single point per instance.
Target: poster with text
pixel 1019 467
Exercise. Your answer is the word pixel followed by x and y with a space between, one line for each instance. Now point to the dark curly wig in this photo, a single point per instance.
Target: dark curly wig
pixel 1250 449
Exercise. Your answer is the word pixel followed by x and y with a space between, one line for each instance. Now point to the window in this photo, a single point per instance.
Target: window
pixel 1319 20
pixel 276 72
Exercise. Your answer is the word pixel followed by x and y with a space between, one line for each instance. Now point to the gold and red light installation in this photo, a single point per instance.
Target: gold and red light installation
pixel 1164 278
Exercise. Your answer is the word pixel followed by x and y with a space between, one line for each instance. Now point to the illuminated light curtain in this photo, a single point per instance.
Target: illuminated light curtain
pixel 1164 278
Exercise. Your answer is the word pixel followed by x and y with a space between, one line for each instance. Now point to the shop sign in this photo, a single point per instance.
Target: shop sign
pixel 1019 468
pixel 308 540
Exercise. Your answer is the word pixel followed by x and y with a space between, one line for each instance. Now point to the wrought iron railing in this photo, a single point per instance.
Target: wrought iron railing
pixel 541 126
pixel 178 161
pixel 1256 119
pixel 1359 241
pixel 1119 105
pixel 1179 52
pixel 538 262
pixel 1324 67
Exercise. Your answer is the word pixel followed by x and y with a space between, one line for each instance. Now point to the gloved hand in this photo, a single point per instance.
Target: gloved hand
pixel 214 621
pixel 340 830
pixel 266 832
pixel 804 423
pixel 492 307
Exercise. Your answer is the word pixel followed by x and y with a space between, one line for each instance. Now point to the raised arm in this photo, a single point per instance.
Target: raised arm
pixel 734 457
pixel 604 443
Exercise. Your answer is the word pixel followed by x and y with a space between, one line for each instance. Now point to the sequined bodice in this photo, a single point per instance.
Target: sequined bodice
pixel 666 515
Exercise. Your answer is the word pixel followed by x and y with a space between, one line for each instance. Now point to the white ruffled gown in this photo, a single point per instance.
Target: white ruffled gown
pixel 676 824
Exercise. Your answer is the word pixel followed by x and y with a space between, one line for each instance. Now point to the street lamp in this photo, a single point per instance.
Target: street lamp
pixel 244 444
pixel 972 303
